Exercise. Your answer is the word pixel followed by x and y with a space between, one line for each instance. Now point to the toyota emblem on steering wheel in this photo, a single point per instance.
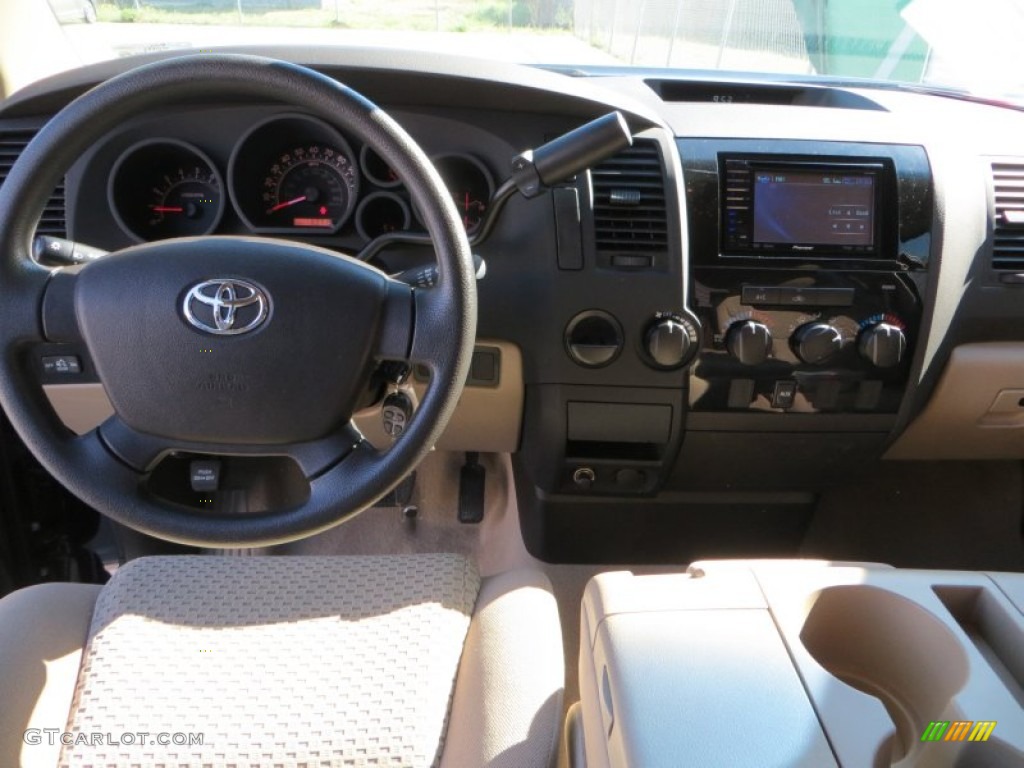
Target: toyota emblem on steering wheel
pixel 226 307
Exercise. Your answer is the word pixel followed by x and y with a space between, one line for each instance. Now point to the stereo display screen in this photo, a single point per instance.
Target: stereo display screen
pixel 813 208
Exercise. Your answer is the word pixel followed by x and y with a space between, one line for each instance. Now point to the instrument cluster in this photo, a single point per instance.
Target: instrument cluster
pixel 289 174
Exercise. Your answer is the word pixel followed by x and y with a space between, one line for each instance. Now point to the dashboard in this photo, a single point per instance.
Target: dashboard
pixel 776 285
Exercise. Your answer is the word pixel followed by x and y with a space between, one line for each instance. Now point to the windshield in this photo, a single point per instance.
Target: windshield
pixel 947 43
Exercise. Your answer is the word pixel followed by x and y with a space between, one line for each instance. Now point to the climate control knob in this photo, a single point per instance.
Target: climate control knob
pixel 749 341
pixel 815 343
pixel 883 345
pixel 670 341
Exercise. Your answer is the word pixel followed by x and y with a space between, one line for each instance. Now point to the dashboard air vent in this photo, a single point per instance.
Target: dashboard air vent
pixel 629 203
pixel 1008 227
pixel 12 143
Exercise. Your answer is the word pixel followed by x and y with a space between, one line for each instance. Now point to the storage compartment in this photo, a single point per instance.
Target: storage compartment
pixel 598 441
pixel 800 663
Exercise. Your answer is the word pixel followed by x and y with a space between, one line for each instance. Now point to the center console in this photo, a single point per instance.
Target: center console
pixel 800 663
pixel 718 370
pixel 803 259
pixel 808 269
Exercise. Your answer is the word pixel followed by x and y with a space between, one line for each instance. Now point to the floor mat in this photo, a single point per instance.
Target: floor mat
pixel 384 530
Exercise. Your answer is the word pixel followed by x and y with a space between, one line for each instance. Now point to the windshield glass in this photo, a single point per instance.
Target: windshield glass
pixel 949 43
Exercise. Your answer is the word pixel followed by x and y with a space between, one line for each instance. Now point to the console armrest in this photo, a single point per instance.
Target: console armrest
pixel 801 663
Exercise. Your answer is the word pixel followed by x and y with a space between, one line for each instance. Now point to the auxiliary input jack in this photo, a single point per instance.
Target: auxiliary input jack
pixel 584 477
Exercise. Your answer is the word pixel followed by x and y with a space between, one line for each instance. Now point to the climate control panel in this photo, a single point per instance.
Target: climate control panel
pixel 809 342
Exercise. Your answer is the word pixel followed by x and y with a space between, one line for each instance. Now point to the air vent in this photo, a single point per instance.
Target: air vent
pixel 12 144
pixel 1008 227
pixel 629 205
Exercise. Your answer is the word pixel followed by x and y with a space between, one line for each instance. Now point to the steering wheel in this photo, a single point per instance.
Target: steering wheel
pixel 229 346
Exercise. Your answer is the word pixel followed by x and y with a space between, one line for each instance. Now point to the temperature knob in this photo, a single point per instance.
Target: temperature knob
pixel 883 345
pixel 749 342
pixel 815 343
pixel 671 341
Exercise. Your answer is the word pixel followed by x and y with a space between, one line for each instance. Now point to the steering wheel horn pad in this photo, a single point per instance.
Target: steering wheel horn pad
pixel 309 325
pixel 292 378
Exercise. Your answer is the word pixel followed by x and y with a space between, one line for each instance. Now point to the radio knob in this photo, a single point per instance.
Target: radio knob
pixel 749 341
pixel 815 343
pixel 670 341
pixel 883 345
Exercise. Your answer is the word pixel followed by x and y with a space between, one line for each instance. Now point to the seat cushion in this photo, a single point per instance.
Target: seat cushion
pixel 507 709
pixel 43 630
pixel 325 661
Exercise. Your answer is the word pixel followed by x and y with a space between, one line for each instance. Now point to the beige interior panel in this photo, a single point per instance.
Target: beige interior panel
pixel 81 407
pixel 858 662
pixel 487 419
pixel 976 411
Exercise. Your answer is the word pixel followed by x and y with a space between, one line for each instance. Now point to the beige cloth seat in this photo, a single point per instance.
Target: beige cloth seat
pixel 405 660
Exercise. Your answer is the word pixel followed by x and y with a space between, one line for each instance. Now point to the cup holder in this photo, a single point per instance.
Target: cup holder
pixel 891 648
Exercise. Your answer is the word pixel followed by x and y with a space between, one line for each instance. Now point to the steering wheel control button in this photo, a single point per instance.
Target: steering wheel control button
pixel 784 394
pixel 593 339
pixel 226 306
pixel 395 413
pixel 62 365
pixel 204 475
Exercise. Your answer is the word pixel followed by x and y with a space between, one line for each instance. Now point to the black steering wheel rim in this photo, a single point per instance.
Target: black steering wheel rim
pixel 441 338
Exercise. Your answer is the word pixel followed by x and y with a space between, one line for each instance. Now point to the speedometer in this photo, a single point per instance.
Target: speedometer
pixel 291 174
pixel 309 187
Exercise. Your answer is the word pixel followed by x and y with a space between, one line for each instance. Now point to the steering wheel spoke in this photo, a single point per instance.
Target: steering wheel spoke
pixel 22 316
pixel 58 307
pixel 142 452
pixel 398 323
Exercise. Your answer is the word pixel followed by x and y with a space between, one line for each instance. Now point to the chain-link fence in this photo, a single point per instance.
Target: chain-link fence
pixel 712 34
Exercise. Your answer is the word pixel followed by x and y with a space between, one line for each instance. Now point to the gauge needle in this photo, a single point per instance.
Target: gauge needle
pixel 279 206
pixel 168 209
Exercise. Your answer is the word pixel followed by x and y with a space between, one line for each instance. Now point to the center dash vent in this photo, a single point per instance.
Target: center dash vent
pixel 630 218
pixel 53 220
pixel 1008 227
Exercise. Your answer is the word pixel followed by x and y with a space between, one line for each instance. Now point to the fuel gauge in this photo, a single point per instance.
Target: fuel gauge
pixel 470 186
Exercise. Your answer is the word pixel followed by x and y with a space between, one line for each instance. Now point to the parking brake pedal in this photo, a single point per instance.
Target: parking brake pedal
pixel 472 480
pixel 401 496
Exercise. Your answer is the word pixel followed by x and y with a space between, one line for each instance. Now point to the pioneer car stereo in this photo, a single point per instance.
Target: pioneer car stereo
pixel 775 207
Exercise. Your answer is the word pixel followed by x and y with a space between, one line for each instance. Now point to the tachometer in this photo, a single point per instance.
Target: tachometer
pixel 165 188
pixel 293 173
